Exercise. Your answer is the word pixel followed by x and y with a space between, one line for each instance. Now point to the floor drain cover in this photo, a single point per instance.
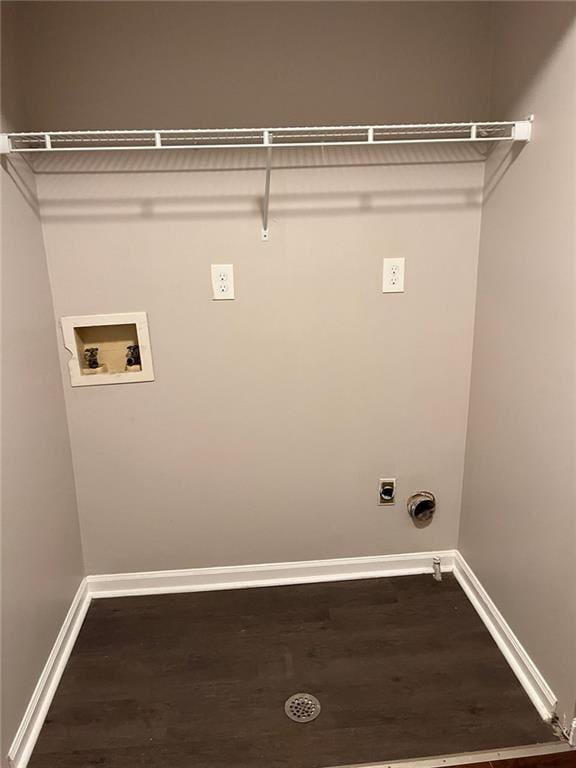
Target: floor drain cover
pixel 302 707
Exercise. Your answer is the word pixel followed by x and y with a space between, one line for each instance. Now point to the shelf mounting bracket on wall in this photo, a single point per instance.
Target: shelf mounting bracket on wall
pixel 258 138
pixel 266 201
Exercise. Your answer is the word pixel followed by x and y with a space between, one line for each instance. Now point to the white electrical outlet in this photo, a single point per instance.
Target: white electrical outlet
pixel 393 276
pixel 222 281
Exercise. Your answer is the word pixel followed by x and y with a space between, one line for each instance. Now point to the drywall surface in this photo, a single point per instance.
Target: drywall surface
pixel 272 417
pixel 41 550
pixel 174 64
pixel 518 524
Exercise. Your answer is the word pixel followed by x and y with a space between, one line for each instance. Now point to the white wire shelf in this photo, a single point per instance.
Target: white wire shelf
pixel 246 138
pixel 267 138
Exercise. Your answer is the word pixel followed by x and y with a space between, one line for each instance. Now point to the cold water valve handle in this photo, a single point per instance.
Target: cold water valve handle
pixel 91 357
pixel 421 506
pixel 133 355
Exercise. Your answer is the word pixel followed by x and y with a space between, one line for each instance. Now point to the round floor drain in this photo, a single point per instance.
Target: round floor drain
pixel 302 707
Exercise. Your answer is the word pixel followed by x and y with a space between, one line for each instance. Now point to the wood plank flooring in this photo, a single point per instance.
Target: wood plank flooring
pixel 403 667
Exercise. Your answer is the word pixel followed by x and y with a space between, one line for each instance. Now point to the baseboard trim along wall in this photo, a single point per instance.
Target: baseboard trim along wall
pixel 37 709
pixel 472 758
pixel 266 575
pixel 572 733
pixel 272 574
pixel 515 654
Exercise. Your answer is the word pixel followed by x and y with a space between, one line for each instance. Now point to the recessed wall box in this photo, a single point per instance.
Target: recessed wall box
pixel 108 349
pixel 387 490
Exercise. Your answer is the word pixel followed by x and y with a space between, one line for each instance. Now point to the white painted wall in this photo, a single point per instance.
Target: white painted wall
pixel 272 417
pixel 41 554
pixel 518 529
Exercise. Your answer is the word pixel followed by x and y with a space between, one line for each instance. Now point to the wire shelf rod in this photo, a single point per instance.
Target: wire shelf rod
pixel 376 126
pixel 245 138
pixel 285 145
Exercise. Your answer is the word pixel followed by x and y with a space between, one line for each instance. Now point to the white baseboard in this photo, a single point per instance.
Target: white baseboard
pixel 272 574
pixel 572 733
pixel 37 709
pixel 268 575
pixel 512 649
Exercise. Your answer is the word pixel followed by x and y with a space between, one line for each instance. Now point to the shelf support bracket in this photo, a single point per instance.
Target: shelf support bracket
pixel 266 202
pixel 523 129
pixel 5 145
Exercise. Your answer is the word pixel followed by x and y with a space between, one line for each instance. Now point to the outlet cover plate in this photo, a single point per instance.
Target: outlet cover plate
pixel 222 282
pixel 393 275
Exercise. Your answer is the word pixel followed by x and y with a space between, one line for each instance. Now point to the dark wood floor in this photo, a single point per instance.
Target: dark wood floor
pixel 403 668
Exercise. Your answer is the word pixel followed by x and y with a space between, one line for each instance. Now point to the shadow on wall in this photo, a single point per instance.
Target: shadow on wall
pixel 223 65
pixel 234 207
pixel 505 161
pixel 560 16
pixel 202 160
pixel 101 186
pixel 23 177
